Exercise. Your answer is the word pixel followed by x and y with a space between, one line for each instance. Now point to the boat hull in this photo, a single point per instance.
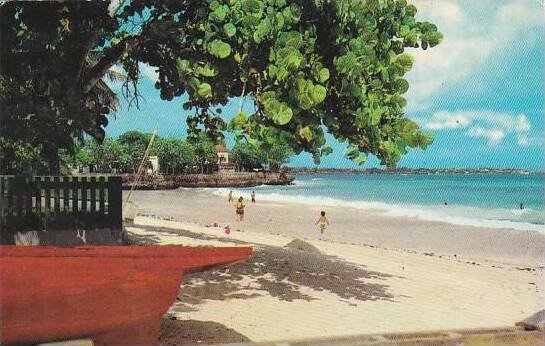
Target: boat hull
pixel 111 294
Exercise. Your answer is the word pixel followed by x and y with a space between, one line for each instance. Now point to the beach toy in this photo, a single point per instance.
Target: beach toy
pixel 227 230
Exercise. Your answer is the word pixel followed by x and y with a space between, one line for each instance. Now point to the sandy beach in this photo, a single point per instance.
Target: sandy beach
pixel 367 274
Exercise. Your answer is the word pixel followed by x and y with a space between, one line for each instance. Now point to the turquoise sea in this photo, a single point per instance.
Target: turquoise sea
pixel 472 199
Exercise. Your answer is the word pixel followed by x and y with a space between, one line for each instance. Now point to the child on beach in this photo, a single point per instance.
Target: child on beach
pixel 322 222
pixel 253 196
pixel 230 197
pixel 240 210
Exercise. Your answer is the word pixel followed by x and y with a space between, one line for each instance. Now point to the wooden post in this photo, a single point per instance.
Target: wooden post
pixel 29 193
pixel 38 192
pixel 18 190
pixel 66 182
pixel 2 204
pixel 102 200
pixel 56 196
pixel 93 184
pixel 115 203
pixel 75 196
pixel 83 197
pixel 47 188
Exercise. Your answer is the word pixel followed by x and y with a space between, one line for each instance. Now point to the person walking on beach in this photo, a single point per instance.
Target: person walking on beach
pixel 322 222
pixel 230 197
pixel 240 210
pixel 253 196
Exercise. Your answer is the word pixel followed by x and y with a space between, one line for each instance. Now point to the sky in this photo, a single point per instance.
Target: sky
pixel 480 92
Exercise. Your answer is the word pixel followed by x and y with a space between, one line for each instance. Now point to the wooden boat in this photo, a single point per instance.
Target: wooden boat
pixel 111 294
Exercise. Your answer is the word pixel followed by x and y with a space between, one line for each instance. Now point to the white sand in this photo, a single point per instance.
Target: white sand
pixel 430 293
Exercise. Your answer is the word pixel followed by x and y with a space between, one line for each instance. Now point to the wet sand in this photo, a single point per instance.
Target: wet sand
pixel 354 226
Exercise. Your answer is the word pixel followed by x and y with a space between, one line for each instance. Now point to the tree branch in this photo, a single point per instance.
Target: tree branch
pixel 92 75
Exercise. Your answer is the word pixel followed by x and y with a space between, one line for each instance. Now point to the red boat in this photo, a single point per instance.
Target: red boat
pixel 111 294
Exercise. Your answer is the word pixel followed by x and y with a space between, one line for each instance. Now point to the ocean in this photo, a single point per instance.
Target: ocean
pixel 471 199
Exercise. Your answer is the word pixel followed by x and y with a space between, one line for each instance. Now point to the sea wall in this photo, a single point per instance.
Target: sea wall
pixel 223 179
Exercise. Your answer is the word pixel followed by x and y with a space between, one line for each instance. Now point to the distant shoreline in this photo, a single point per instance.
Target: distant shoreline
pixel 428 171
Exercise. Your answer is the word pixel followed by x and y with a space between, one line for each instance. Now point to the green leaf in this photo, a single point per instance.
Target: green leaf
pixel 237 122
pixel 352 153
pixel 206 71
pixel 230 29
pixel 193 84
pixel 219 49
pixel 309 95
pixel 375 115
pixel 214 5
pixel 278 111
pixel 318 94
pixel 405 61
pixel 376 83
pixel 401 85
pixel 306 133
pixel 290 39
pixel 410 10
pixel 360 160
pixel 326 150
pixel 204 90
pixel 251 5
pixel 289 58
pixel 324 75
pixel 262 30
pixel 303 90
pixel 182 65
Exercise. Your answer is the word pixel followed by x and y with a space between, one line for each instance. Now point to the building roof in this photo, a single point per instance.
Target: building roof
pixel 220 148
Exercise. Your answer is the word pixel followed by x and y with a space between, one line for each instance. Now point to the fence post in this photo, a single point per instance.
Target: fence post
pixel 101 195
pixel 115 203
pixel 47 189
pixel 84 194
pixel 2 204
pixel 66 181
pixel 56 196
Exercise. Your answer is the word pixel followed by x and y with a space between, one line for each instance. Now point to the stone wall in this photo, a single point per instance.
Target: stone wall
pixel 217 179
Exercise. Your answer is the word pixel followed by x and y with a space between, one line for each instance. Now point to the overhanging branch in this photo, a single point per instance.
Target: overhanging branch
pixel 92 75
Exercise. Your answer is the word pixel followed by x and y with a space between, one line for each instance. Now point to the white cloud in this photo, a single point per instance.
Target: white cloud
pixel 482 123
pixel 494 136
pixel 472 37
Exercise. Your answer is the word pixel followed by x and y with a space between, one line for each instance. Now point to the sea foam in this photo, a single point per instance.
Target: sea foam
pixel 452 214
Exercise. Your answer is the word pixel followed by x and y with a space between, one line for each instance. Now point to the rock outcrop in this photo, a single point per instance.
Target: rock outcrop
pixel 230 179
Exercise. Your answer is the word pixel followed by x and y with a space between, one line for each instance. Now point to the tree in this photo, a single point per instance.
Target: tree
pixel 108 155
pixel 247 156
pixel 309 66
pixel 205 154
pixel 19 157
pixel 276 155
pixel 175 156
pixel 81 157
pixel 135 144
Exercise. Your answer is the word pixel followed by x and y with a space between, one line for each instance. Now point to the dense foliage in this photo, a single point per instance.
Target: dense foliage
pixel 175 156
pixel 247 156
pixel 124 154
pixel 309 67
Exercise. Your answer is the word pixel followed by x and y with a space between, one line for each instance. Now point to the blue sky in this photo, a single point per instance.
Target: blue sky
pixel 480 92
